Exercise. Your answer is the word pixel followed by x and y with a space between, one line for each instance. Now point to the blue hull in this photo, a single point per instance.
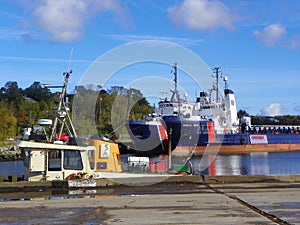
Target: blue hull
pixel 198 133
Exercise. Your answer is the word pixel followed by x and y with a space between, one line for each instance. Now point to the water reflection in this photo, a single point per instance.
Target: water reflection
pixel 11 168
pixel 259 164
pixel 232 165
pixel 248 164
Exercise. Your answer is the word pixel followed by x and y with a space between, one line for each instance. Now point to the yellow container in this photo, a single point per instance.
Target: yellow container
pixel 106 158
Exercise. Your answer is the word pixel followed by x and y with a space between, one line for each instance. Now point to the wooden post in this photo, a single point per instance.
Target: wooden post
pixel 170 149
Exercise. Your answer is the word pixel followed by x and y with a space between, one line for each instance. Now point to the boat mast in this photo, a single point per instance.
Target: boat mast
pixel 62 112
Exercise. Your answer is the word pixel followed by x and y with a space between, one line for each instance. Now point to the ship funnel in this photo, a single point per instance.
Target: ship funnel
pixel 231 112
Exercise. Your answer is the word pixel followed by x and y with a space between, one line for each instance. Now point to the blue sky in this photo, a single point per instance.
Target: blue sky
pixel 256 43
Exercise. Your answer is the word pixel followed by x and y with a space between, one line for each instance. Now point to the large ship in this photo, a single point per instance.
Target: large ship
pixel 208 126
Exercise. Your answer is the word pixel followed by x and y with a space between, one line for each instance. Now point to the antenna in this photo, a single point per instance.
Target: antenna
pixel 70 58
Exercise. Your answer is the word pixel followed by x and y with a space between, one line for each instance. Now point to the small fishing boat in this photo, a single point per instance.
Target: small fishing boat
pixel 50 150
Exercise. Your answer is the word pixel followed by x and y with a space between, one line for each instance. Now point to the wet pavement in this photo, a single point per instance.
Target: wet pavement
pixel 178 202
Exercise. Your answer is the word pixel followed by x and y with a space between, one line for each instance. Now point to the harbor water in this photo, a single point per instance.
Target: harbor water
pixel 11 168
pixel 274 163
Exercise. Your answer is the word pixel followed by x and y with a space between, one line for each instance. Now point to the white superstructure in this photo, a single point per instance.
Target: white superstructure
pixel 210 105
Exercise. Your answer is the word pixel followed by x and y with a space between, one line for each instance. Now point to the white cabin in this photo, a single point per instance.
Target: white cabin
pixel 47 161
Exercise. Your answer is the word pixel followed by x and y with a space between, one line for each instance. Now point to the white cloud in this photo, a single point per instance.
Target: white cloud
pixel 13 34
pixel 201 15
pixel 274 109
pixel 270 34
pixel 293 43
pixel 64 21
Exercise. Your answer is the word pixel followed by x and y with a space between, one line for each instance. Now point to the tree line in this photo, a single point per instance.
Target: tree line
pixel 291 120
pixel 115 105
pixel 26 106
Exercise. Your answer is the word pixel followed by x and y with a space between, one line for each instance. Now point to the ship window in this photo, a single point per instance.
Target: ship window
pixel 72 160
pixel 54 160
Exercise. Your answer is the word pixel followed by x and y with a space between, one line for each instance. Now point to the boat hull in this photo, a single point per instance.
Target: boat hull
pixel 233 149
pixel 187 139
pixel 148 138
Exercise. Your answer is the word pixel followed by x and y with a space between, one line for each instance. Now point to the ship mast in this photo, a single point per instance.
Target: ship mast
pixel 216 70
pixel 62 114
pixel 175 78
pixel 175 94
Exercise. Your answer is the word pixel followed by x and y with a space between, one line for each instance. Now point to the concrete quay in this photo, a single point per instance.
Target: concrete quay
pixel 175 200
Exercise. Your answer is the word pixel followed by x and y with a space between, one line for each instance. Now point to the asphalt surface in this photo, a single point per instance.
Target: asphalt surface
pixel 179 201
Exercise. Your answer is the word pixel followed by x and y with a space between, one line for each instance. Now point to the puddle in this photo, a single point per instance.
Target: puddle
pixel 290 205
pixel 53 215
pixel 71 194
pixel 57 195
pixel 282 205
pixel 267 207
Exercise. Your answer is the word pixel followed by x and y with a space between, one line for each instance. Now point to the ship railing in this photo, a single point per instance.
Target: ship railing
pixel 273 129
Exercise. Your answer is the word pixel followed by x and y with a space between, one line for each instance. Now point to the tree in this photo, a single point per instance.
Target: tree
pixel 84 113
pixel 12 93
pixel 37 92
pixel 125 103
pixel 103 113
pixel 8 125
pixel 242 113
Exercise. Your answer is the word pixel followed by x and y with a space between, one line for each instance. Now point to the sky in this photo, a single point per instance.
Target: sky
pixel 256 43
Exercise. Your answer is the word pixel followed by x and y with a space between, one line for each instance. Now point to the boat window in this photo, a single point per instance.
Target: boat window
pixel 54 160
pixel 72 160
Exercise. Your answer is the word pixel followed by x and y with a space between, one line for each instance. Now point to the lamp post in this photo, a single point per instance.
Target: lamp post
pixel 170 149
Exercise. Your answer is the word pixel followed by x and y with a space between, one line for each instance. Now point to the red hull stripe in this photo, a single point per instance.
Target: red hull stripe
pixel 211 134
pixel 163 137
